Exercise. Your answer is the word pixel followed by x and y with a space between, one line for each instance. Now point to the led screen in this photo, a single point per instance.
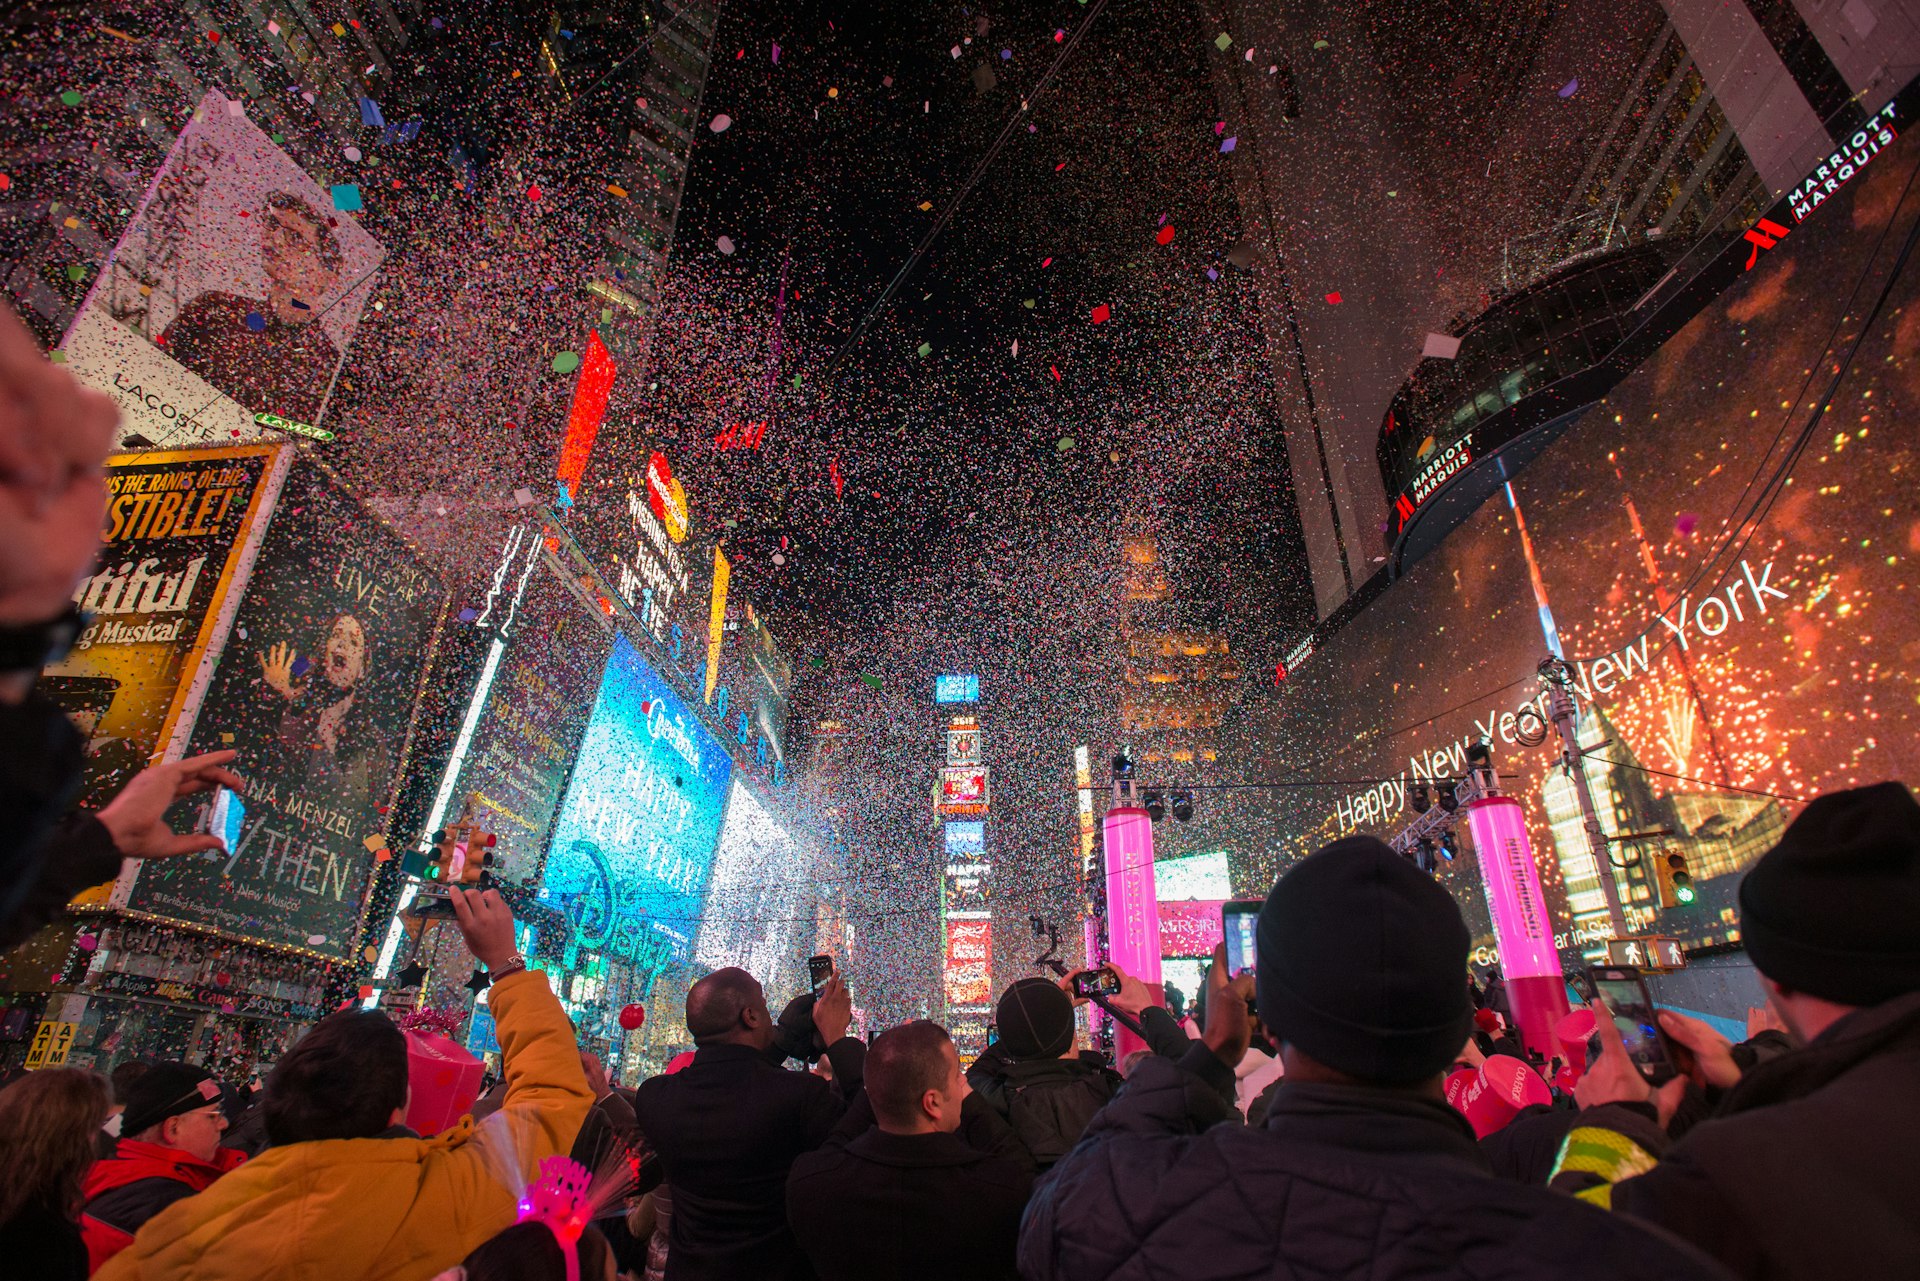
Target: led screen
pixel 956 689
pixel 969 952
pixel 1731 658
pixel 635 838
pixel 966 840
pixel 758 913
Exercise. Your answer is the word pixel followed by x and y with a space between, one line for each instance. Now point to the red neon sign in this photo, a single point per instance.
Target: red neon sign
pixel 740 436
pixel 589 409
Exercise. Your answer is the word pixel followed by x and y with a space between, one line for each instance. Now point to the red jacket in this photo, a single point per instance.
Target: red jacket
pixel 136 1183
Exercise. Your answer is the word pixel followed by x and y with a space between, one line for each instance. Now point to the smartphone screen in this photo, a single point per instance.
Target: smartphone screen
pixel 1626 995
pixel 229 812
pixel 1240 922
pixel 819 970
pixel 1100 982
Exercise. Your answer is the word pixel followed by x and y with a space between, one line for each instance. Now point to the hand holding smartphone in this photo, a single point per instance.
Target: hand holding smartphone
pixel 1240 924
pixel 819 970
pixel 1088 984
pixel 225 817
pixel 1625 994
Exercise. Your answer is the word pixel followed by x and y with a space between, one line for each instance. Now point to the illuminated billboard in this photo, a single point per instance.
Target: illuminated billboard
pixel 964 881
pixel 757 913
pixel 966 840
pixel 237 268
pixel 535 694
pixel 584 416
pixel 969 953
pixel 176 524
pixel 964 744
pixel 635 839
pixel 1730 657
pixel 317 687
pixel 963 789
pixel 956 689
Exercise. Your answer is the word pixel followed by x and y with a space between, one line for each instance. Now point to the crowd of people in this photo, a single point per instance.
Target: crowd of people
pixel 1783 1157
pixel 1296 1124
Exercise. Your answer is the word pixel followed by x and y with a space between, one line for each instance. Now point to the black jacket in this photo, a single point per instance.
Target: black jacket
pixel 728 1127
pixel 43 1244
pixel 935 1207
pixel 48 855
pixel 1808 1169
pixel 1049 1102
pixel 1343 1181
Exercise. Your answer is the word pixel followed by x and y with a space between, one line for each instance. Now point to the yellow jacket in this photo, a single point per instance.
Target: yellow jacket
pixel 382 1209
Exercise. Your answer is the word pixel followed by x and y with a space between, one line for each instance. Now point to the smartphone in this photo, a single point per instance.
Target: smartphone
pixel 1100 982
pixel 819 970
pixel 225 816
pixel 1626 995
pixel 1240 922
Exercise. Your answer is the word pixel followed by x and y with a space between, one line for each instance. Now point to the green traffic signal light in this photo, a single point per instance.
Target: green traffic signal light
pixel 1680 878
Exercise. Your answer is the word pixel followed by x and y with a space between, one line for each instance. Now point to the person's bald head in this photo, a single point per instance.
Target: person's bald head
pixel 727 1007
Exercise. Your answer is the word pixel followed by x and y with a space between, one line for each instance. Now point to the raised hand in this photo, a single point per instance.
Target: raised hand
pixel 1229 1027
pixel 276 669
pixel 136 817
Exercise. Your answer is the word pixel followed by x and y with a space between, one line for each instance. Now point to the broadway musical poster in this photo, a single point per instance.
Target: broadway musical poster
pixel 175 525
pixel 316 689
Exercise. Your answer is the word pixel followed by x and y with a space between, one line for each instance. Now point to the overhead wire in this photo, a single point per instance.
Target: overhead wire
pixel 966 188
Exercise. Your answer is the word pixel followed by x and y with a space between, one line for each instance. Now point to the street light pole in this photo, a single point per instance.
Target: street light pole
pixel 1565 716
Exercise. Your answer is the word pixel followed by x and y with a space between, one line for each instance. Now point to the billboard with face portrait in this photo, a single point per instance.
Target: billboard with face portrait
pixel 316 688
pixel 237 273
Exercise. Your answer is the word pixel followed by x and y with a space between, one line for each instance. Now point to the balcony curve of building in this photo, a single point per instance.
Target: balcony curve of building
pixel 1527 368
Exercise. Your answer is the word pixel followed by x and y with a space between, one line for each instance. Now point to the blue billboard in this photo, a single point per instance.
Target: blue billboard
pixel 956 689
pixel 635 838
pixel 966 840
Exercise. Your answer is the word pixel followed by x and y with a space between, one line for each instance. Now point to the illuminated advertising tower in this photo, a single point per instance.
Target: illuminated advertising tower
pixel 966 917
pixel 1133 906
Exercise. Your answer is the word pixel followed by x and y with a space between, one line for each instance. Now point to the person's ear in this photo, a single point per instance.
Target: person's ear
pixel 932 1104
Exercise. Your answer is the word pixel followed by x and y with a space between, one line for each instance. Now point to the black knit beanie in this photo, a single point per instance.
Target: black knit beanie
pixel 1833 910
pixel 166 1090
pixel 1363 964
pixel 1035 1019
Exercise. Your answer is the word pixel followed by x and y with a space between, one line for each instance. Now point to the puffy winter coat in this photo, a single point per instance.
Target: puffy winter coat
pixel 1343 1181
pixel 137 1182
pixel 382 1209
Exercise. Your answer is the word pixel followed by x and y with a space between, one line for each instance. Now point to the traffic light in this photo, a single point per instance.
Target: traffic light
pixel 1680 879
pixel 1672 881
pixel 447 855
pixel 462 854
